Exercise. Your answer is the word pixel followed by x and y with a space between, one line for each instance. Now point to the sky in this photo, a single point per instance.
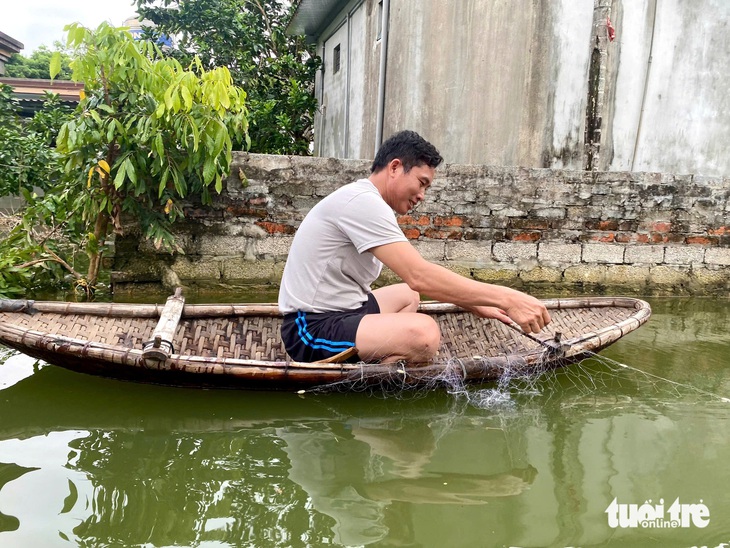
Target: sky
pixel 41 22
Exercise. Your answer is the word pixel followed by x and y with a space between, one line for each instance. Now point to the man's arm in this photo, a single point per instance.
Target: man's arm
pixel 443 285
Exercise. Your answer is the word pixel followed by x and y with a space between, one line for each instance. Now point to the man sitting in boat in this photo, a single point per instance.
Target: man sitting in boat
pixel 339 250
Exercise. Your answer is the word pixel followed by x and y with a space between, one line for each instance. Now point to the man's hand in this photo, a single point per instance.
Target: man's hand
pixel 526 311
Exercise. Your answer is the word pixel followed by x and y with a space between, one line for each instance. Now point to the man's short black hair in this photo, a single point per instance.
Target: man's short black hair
pixel 408 147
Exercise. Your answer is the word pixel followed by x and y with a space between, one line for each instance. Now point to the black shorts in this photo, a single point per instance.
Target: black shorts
pixel 310 337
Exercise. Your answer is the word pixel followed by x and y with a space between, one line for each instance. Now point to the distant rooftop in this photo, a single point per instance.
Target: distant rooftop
pixel 311 17
pixel 8 46
pixel 29 92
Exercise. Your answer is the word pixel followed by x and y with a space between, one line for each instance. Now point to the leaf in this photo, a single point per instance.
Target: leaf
pixel 55 67
pixel 131 173
pixel 105 166
pixel 177 182
pixel 110 133
pixel 158 146
pixel 92 244
pixel 187 97
pixel 121 173
pixel 70 501
pixel 163 181
pixel 208 171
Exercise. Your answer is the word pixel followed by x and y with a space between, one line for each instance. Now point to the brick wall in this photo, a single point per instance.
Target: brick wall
pixel 561 231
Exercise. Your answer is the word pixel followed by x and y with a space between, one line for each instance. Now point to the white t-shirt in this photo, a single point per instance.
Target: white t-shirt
pixel 329 267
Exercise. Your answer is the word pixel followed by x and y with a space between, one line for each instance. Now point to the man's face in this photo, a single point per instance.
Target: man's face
pixel 408 189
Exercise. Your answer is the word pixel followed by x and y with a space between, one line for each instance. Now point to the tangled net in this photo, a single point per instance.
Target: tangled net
pixel 596 375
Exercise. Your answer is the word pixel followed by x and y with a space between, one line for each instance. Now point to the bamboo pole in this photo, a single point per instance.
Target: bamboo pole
pixel 160 347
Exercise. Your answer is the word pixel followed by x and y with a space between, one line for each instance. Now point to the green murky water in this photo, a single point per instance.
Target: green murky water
pixel 86 461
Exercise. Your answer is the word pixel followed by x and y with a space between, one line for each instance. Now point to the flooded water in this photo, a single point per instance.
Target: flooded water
pixel 628 450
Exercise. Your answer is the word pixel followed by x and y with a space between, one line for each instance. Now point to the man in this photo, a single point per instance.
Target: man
pixel 338 252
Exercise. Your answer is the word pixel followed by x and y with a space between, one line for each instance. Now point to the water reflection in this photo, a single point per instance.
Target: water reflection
pixel 243 468
pixel 359 471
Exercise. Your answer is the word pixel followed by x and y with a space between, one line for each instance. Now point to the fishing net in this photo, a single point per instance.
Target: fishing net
pixel 596 379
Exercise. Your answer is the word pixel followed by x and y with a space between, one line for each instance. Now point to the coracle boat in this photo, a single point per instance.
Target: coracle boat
pixel 238 345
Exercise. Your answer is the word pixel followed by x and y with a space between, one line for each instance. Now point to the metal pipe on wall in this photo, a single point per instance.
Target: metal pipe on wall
pixel 381 77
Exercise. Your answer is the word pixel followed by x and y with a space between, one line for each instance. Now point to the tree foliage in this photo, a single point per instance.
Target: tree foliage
pixel 29 163
pixel 28 158
pixel 249 38
pixel 37 65
pixel 147 134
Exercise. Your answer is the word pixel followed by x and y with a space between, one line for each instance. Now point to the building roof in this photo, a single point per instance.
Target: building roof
pixel 29 92
pixel 8 46
pixel 311 17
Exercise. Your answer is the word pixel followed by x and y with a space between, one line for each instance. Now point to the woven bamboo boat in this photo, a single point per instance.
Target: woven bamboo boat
pixel 238 345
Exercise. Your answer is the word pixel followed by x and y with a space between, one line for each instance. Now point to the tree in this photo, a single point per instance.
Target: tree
pixel 37 65
pixel 28 159
pixel 248 37
pixel 29 162
pixel 147 134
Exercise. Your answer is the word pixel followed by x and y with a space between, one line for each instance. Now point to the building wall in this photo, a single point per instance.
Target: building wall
pixel 347 90
pixel 488 83
pixel 557 230
pixel 671 111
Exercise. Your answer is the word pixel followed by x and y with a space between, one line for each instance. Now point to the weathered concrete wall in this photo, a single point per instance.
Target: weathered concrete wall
pixel 492 84
pixel 671 110
pixel 559 230
pixel 347 84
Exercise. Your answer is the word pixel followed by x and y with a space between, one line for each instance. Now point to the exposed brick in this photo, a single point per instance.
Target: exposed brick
pixel 448 221
pixel 674 238
pixel 530 224
pixel 203 213
pixel 442 234
pixel 595 224
pixel 661 226
pixel 245 211
pixel 412 233
pixel 276 228
pixel 524 236
pixel 627 226
pixel 701 240
pixel 605 238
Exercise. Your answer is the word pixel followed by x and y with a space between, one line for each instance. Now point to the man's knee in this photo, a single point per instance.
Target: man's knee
pixel 426 338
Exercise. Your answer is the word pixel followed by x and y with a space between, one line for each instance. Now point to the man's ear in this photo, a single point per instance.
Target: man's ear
pixel 393 165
